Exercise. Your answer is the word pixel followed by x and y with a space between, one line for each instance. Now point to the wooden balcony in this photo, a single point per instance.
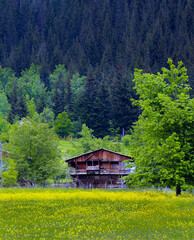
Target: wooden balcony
pixel 93 168
pixel 96 170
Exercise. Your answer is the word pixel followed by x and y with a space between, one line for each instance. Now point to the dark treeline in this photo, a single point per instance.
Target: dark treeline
pixel 107 109
pixel 103 40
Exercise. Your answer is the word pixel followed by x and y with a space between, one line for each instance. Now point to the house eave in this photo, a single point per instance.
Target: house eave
pixel 102 149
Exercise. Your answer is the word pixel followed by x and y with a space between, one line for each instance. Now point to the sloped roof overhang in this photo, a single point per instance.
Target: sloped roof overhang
pixel 92 152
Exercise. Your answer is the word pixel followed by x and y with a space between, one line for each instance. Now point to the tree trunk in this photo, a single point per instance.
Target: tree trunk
pixel 178 190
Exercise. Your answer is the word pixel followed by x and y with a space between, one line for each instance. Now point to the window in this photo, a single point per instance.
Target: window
pixel 114 166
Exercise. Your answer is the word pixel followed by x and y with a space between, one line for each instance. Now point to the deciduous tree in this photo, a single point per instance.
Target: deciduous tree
pixel 33 147
pixel 63 125
pixel 162 142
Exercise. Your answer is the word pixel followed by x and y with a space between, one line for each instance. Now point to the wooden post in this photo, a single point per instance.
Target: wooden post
pixel 1 166
pixel 66 175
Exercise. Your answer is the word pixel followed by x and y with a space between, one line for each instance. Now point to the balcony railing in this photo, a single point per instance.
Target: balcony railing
pixel 100 171
pixel 92 168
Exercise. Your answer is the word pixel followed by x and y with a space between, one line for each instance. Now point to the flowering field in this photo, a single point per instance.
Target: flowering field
pixel 94 214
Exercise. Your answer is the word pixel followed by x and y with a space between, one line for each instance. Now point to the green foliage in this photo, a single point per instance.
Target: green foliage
pixel 17 101
pixel 63 125
pixel 110 144
pixel 30 82
pixel 47 116
pixel 101 123
pixel 4 128
pixel 68 147
pixel 87 140
pixel 58 79
pixel 50 33
pixel 42 100
pixel 77 89
pixel 87 104
pixel 126 140
pixel 114 132
pixel 60 70
pixel 122 111
pixel 4 105
pixel 77 126
pixel 5 75
pixel 10 174
pixel 162 139
pixel 77 84
pixel 63 44
pixel 33 147
pixel 31 108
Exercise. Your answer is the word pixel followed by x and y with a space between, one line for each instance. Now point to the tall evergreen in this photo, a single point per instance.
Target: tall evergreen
pixel 17 102
pixel 68 94
pixel 88 109
pixel 42 101
pixel 58 96
pixel 12 99
pixel 83 33
pixel 21 105
pixel 103 109
pixel 122 111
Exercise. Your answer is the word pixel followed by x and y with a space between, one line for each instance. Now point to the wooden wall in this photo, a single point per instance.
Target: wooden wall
pixel 103 155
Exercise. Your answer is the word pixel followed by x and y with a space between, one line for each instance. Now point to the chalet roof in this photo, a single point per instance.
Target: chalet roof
pixel 100 149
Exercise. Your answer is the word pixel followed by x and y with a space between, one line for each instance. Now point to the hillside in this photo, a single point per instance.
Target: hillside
pixel 103 34
pixel 79 56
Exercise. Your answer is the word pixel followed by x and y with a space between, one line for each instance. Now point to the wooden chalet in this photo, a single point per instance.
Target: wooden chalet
pixel 100 168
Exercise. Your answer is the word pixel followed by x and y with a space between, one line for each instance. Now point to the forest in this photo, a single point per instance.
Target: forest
pixel 70 68
pixel 103 34
pixel 80 57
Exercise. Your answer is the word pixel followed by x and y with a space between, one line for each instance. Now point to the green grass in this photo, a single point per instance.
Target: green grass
pixel 94 214
pixel 67 148
pixel 71 148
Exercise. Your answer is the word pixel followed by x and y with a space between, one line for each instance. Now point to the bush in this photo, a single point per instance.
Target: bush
pixel 126 140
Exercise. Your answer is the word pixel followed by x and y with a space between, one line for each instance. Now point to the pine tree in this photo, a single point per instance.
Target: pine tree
pixel 58 96
pixel 17 100
pixel 12 99
pixel 88 102
pixel 102 110
pixel 122 111
pixel 42 100
pixel 21 105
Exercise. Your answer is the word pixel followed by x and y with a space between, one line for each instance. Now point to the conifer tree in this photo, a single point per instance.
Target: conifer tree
pixel 17 101
pixel 42 100
pixel 103 111
pixel 122 112
pixel 88 102
pixel 58 96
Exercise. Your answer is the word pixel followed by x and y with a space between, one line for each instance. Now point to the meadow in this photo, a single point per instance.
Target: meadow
pixel 72 147
pixel 94 214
